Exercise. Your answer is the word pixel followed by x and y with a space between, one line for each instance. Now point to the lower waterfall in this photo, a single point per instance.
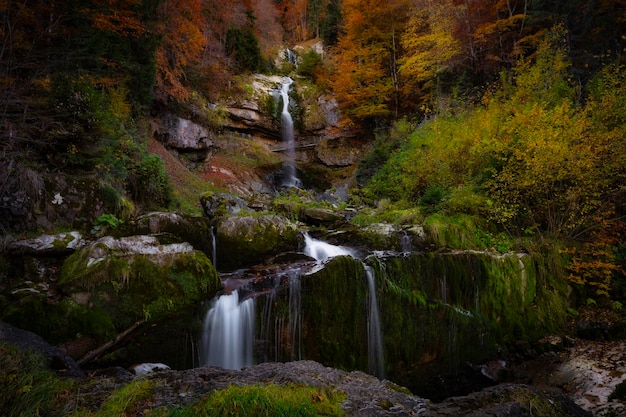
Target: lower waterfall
pixel 230 338
pixel 229 333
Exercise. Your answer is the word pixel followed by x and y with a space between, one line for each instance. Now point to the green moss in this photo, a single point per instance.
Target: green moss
pixel 126 289
pixel 267 401
pixel 336 318
pixel 440 310
pixel 253 239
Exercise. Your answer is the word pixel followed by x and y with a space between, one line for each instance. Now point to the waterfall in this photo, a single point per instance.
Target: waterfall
pixel 289 179
pixel 213 248
pixel 228 337
pixel 295 315
pixel 405 243
pixel 376 358
pixel 321 250
pixel 292 57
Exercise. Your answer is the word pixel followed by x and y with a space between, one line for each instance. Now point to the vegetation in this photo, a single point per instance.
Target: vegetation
pixel 29 388
pixel 531 161
pixel 267 400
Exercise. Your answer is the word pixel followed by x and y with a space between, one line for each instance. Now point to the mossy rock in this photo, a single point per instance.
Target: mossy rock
pixel 192 229
pixel 136 278
pixel 334 317
pixel 246 240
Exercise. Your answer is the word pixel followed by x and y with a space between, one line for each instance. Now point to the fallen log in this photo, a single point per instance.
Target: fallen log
pixel 95 353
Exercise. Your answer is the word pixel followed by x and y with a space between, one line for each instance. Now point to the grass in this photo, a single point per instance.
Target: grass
pixel 267 401
pixel 28 387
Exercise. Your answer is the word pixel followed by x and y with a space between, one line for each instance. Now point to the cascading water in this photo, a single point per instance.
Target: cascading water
pixel 213 248
pixel 228 337
pixel 321 250
pixel 376 356
pixel 287 134
pixel 295 316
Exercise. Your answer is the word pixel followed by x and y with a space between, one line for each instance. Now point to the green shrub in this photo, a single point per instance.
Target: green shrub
pixel 148 183
pixel 308 64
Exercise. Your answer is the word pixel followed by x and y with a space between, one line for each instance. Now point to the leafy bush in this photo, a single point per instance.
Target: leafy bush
pixel 148 183
pixel 308 65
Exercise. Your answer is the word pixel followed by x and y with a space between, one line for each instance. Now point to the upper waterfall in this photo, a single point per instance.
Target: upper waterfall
pixel 287 134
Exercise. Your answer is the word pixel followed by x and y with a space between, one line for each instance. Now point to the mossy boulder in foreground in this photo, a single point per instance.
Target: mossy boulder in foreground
pixel 136 278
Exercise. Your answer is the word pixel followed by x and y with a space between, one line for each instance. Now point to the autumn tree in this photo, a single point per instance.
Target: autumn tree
pixel 548 182
pixel 366 81
pixel 295 18
pixel 429 47
pixel 181 47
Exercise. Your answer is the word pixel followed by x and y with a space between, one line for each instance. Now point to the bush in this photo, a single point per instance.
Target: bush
pixel 309 63
pixel 149 184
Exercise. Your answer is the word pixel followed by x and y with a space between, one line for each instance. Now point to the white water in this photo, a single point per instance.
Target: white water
pixel 214 248
pixel 287 134
pixel 376 357
pixel 321 250
pixel 295 315
pixel 228 338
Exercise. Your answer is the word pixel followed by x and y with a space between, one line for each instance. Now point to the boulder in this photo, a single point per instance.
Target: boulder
pixel 185 135
pixel 507 400
pixel 319 216
pixel 119 282
pixel 222 204
pixel 59 244
pixel 55 358
pixel 246 240
pixel 183 228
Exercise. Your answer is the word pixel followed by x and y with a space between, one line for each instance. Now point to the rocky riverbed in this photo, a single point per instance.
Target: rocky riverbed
pixel 581 379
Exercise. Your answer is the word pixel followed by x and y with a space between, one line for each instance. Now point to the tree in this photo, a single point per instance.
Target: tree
pixel 182 44
pixel 428 44
pixel 366 80
pixel 548 182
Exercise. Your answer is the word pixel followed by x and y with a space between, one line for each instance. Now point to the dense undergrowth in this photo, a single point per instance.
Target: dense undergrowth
pixel 538 162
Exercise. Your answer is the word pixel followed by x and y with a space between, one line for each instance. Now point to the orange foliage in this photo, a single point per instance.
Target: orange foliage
pixel 117 16
pixel 596 263
pixel 295 19
pixel 180 23
pixel 366 78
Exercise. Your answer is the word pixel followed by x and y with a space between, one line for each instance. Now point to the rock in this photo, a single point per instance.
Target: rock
pixel 339 152
pixel 192 229
pixel 185 135
pixel 507 400
pixel 148 368
pixel 319 216
pixel 245 240
pixel 71 201
pixel 365 395
pixel 135 278
pixel 59 244
pixel 222 204
pixel 56 359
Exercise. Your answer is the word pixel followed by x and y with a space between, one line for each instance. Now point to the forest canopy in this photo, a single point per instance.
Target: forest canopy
pixel 503 114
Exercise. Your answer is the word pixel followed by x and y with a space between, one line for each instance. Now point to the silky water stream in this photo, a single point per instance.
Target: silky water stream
pixel 230 337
